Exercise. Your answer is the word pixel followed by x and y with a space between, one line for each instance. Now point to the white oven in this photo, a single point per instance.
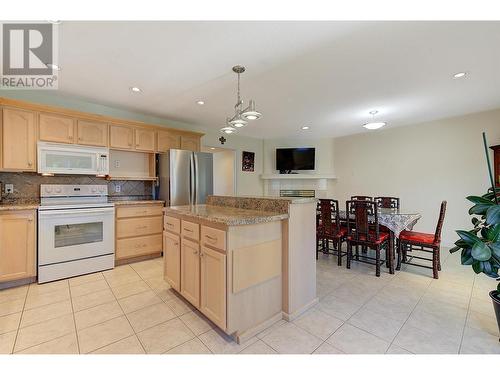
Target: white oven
pixel 76 233
pixel 56 158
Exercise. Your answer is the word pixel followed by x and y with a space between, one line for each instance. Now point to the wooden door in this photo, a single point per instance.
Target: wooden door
pixel 92 133
pixel 172 258
pixel 18 140
pixel 145 140
pixel 213 286
pixel 168 140
pixel 190 143
pixel 17 245
pixel 54 128
pixel 121 136
pixel 190 271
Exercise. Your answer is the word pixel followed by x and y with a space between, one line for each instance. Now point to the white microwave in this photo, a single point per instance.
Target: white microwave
pixel 54 158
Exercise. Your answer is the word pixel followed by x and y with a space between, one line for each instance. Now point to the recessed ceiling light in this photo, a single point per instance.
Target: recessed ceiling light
pixel 200 102
pixel 374 125
pixel 54 66
pixel 135 89
pixel 305 128
pixel 212 148
pixel 373 113
pixel 459 75
pixel 55 22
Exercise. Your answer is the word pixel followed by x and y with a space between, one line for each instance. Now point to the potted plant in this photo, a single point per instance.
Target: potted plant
pixel 480 245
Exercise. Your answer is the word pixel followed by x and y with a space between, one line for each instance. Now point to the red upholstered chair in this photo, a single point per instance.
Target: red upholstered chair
pixel 363 229
pixel 426 242
pixel 387 202
pixel 329 228
pixel 361 198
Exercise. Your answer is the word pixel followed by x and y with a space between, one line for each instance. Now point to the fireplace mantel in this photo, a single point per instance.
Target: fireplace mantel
pixel 298 176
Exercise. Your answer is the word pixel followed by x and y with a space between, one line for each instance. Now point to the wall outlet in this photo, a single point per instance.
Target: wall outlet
pixel 9 188
pixel 117 163
pixel 118 188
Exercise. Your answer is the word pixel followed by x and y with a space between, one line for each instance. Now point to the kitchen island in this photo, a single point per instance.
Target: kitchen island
pixel 243 262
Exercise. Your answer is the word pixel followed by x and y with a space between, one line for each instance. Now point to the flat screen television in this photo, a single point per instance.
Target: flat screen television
pixel 295 159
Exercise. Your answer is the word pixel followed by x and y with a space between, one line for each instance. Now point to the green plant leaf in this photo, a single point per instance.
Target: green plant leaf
pixel 498 287
pixel 493 233
pixel 479 200
pixel 495 248
pixel 480 251
pixel 479 209
pixel 468 237
pixel 477 267
pixel 493 215
pixel 466 259
pixel 454 249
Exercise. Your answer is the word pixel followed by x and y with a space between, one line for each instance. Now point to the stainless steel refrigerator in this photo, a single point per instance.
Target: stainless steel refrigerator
pixel 184 177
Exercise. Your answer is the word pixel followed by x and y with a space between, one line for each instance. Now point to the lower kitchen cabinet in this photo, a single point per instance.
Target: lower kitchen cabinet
pixel 190 271
pixel 213 286
pixel 17 245
pixel 172 259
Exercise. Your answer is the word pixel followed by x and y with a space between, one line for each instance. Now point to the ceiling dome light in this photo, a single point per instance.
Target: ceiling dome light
pixel 237 122
pixel 135 89
pixel 250 113
pixel 374 125
pixel 200 102
pixel 227 130
pixel 459 75
pixel 305 128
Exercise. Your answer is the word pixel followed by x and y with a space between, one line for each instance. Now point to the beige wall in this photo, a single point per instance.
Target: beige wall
pixel 422 164
pixel 224 168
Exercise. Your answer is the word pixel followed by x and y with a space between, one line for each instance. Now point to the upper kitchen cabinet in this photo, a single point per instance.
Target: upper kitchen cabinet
pixel 92 133
pixel 55 128
pixel 18 140
pixel 168 140
pixel 145 140
pixel 121 137
pixel 190 142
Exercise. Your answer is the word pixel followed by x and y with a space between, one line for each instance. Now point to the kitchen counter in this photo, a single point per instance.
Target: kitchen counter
pixel 132 202
pixel 229 216
pixel 18 206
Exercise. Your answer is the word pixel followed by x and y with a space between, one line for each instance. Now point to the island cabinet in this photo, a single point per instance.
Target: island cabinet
pixel 138 230
pixel 230 273
pixel 17 245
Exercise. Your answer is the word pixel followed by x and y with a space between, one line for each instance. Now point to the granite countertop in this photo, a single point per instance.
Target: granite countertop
pixel 226 215
pixel 10 206
pixel 131 202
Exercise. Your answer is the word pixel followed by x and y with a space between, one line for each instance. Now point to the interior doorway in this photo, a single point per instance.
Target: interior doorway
pixel 224 170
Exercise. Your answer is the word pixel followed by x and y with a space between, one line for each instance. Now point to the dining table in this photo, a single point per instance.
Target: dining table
pixel 394 219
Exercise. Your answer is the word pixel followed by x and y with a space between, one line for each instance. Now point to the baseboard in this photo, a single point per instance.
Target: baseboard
pixel 121 262
pixel 251 332
pixel 15 283
pixel 299 312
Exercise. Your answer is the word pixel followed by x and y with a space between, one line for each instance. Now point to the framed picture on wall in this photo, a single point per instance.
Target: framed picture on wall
pixel 248 161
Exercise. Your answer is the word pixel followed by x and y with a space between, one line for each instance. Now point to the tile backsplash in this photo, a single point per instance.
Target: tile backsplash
pixel 27 185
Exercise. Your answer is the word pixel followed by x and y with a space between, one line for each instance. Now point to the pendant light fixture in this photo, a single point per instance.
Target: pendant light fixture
pixel 241 115
pixel 374 125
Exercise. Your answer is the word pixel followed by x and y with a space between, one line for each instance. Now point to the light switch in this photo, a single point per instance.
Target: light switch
pixel 118 188
pixel 117 163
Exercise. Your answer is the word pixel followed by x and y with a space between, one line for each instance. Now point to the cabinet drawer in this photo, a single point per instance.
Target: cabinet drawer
pixel 137 246
pixel 191 230
pixel 139 226
pixel 135 211
pixel 172 224
pixel 213 237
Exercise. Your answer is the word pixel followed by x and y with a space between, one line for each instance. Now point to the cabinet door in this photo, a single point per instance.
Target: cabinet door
pixel 121 137
pixel 213 286
pixel 18 140
pixel 92 133
pixel 55 128
pixel 168 140
pixel 190 271
pixel 190 143
pixel 145 140
pixel 17 245
pixel 172 259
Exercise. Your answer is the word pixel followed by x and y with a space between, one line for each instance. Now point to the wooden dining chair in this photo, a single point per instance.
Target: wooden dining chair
pixel 426 242
pixel 387 202
pixel 329 228
pixel 361 198
pixel 363 229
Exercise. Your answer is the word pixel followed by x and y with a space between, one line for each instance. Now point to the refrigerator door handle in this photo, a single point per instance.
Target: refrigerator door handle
pixel 192 177
pixel 196 178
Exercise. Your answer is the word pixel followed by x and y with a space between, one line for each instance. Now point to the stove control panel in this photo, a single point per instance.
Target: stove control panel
pixel 73 190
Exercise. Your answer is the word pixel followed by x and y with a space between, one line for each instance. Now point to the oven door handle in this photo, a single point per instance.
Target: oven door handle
pixel 105 211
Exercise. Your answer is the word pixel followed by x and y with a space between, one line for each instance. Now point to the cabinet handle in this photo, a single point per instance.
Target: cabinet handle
pixel 30 164
pixel 195 252
pixel 80 138
pixel 202 255
pixel 212 239
pixel 176 243
pixel 188 230
pixel 170 224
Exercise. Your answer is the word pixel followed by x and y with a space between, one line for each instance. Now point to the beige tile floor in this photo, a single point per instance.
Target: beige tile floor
pixel 131 310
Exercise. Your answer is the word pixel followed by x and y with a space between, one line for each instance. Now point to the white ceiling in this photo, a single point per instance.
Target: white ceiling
pixel 327 75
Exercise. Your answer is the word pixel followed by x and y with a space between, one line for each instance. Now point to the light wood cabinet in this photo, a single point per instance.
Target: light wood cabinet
pixel 190 271
pixel 213 286
pixel 17 245
pixel 121 137
pixel 145 140
pixel 18 140
pixel 54 128
pixel 138 230
pixel 190 143
pixel 172 259
pixel 92 133
pixel 168 140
